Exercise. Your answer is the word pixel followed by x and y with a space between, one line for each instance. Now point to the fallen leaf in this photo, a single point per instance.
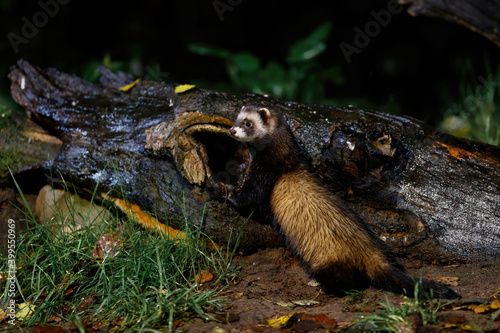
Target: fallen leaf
pixel 281 321
pixel 25 311
pixel 324 321
pixel 313 283
pixel 129 86
pixel 54 319
pixel 467 327
pixel 286 304
pixel 70 290
pixel 86 302
pixel 183 87
pixel 237 295
pixel 448 280
pixel 305 302
pixel 481 308
pixel 447 326
pixel 203 277
pixel 302 323
pixel 63 283
pixel 108 245
pixel 144 218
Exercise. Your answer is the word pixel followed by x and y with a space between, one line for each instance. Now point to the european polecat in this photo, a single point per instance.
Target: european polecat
pixel 334 244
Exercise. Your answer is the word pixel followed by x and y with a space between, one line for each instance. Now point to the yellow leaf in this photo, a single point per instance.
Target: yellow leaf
pixel 129 86
pixel 144 218
pixel 449 280
pixel 481 308
pixel 183 87
pixel 277 323
pixel 467 328
pixel 495 304
pixel 25 311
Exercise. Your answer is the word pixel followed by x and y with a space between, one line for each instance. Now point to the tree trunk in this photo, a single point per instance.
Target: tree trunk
pixel 429 195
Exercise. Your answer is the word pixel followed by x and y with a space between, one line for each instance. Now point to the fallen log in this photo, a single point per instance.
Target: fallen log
pixel 480 16
pixel 430 195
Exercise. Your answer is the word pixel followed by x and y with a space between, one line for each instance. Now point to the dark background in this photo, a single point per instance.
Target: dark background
pixel 420 63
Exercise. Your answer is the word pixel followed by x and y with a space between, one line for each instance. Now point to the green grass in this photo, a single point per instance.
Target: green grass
pixel 148 284
pixel 354 297
pixel 395 318
pixel 477 116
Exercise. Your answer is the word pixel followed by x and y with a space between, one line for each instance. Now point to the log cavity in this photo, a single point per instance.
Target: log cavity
pixel 227 159
pixel 202 149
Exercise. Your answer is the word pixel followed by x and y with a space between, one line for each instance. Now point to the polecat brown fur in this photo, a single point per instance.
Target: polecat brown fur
pixel 337 248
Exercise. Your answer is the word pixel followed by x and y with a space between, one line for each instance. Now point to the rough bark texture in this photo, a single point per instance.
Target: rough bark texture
pixel 481 16
pixel 430 195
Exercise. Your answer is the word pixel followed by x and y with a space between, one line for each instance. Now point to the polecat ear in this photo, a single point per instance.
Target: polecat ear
pixel 265 115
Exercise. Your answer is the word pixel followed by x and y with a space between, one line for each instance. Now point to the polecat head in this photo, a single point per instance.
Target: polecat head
pixel 253 124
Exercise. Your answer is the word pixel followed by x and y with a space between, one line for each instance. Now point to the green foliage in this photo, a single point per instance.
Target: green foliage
pixel 396 318
pixel 150 282
pixel 91 70
pixel 134 66
pixel 477 117
pixel 302 78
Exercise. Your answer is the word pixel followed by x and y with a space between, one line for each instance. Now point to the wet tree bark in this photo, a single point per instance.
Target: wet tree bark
pixel 481 16
pixel 429 195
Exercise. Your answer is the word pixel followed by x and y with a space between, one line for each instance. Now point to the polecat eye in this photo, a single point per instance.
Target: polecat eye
pixel 248 124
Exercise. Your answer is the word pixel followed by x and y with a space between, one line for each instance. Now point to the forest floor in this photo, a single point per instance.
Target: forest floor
pixel 273 285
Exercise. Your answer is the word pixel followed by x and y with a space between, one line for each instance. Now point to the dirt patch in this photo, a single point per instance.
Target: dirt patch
pixel 272 284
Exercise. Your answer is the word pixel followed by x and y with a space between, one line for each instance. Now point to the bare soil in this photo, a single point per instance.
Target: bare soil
pixel 272 284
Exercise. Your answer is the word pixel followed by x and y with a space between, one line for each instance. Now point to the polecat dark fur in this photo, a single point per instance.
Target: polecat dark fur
pixel 337 248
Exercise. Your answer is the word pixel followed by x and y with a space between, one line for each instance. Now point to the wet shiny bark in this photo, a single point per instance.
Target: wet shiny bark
pixel 430 195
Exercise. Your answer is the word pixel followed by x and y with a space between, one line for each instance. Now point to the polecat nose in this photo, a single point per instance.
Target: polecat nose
pixel 232 131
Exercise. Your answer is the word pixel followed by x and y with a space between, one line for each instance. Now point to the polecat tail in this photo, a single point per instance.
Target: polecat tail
pixel 436 289
pixel 399 282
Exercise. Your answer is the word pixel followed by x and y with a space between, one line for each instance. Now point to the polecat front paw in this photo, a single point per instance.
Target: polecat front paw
pixel 230 193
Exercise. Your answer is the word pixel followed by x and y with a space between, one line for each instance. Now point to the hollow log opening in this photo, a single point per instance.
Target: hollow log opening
pixel 228 159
